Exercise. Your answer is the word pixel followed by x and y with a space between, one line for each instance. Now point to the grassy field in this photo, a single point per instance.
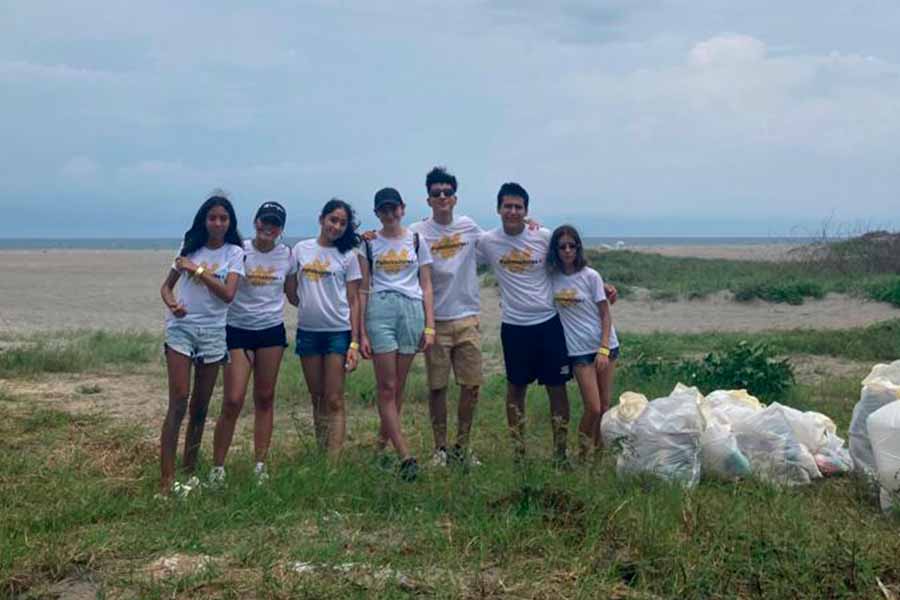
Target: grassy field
pixel 672 278
pixel 77 491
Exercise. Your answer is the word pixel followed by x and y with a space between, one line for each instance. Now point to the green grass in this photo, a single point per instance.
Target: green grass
pixel 77 496
pixel 671 278
pixel 77 352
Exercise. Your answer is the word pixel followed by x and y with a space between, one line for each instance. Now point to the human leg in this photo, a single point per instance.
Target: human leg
pixel 178 367
pixel 587 377
pixel 265 379
pixel 236 376
pixel 204 381
pixel 336 423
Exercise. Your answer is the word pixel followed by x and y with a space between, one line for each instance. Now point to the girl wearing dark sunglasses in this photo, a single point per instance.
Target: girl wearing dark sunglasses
pixel 593 348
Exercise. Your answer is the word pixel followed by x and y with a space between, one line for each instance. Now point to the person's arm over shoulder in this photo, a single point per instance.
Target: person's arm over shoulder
pixel 598 291
pixel 424 254
pixel 545 234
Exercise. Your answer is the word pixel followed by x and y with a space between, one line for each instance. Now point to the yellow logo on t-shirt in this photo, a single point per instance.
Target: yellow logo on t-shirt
pixel 261 275
pixel 448 246
pixel 317 269
pixel 518 261
pixel 567 298
pixel 394 261
pixel 206 267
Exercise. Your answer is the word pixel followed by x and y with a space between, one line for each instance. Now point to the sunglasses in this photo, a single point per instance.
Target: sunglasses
pixel 446 193
pixel 568 246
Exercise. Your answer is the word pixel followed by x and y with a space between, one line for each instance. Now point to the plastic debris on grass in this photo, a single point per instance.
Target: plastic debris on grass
pixel 727 435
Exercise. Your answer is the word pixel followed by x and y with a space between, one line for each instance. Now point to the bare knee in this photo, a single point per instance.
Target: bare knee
pixel 231 407
pixel 334 403
pixel 387 388
pixel 264 398
pixel 178 405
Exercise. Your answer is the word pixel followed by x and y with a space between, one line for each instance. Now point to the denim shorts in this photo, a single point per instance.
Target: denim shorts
pixel 588 359
pixel 320 343
pixel 394 322
pixel 204 345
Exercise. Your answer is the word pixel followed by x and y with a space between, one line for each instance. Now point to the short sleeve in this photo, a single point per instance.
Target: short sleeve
pixel 236 261
pixel 481 255
pixel 545 234
pixel 424 254
pixel 352 272
pixel 597 291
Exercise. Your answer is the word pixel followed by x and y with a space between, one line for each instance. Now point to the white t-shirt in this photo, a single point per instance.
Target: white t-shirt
pixel 454 274
pixel 205 309
pixel 576 296
pixel 322 276
pixel 259 302
pixel 395 264
pixel 526 297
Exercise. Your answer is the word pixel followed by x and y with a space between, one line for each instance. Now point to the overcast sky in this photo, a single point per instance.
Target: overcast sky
pixel 630 117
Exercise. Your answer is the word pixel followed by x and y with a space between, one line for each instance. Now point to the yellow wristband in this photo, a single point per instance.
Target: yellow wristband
pixel 429 331
pixel 604 351
pixel 199 271
pixel 354 346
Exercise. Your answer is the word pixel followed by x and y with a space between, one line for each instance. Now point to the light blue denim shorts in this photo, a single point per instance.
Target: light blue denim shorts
pixel 204 345
pixel 394 322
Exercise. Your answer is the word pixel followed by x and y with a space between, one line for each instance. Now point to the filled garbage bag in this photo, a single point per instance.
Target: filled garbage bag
pixel 721 457
pixel 730 406
pixel 880 387
pixel 775 454
pixel 884 435
pixel 617 422
pixel 665 439
pixel 811 428
pixel 833 458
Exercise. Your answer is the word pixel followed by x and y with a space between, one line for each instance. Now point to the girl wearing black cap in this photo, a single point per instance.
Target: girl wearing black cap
pixel 256 339
pixel 398 316
pixel 206 273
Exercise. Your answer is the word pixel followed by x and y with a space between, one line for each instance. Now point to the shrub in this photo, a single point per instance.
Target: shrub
pixel 741 366
pixel 792 292
pixel 886 291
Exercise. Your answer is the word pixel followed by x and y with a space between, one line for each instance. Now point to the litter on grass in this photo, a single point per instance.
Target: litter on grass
pixel 727 435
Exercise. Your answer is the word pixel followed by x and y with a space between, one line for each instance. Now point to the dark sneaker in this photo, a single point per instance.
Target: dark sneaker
pixel 458 456
pixel 409 469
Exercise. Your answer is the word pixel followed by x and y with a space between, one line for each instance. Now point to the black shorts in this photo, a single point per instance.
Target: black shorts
pixel 535 352
pixel 252 339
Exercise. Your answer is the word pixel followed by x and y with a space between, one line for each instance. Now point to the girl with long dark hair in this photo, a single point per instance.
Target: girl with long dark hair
pixel 256 339
pixel 591 341
pixel 326 292
pixel 206 273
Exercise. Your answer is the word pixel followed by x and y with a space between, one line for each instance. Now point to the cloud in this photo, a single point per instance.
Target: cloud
pixel 727 50
pixel 79 167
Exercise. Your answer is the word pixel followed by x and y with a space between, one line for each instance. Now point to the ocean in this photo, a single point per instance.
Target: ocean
pixel 624 242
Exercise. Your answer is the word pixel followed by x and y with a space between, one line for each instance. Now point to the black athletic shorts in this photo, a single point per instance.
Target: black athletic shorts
pixel 252 339
pixel 535 352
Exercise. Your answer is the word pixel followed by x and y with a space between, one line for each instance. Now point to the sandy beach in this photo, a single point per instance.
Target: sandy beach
pixel 51 290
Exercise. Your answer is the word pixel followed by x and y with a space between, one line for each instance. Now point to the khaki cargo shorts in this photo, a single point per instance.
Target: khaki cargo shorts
pixel 457 344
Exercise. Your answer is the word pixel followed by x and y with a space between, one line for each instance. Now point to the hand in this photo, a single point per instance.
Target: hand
pixel 352 360
pixel 365 348
pixel 612 294
pixel 178 310
pixel 601 362
pixel 532 224
pixel 426 342
pixel 369 235
pixel 184 264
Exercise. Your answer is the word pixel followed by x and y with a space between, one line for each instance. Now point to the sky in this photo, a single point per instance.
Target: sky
pixel 626 117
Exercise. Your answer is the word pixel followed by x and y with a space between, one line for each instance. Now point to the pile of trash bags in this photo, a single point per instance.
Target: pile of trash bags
pixel 875 431
pixel 726 435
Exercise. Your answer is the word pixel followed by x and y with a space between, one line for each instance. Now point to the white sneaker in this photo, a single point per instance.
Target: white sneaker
pixel 262 476
pixel 438 458
pixel 182 490
pixel 216 477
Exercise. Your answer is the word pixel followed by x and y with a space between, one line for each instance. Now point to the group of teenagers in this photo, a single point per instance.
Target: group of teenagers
pixel 383 295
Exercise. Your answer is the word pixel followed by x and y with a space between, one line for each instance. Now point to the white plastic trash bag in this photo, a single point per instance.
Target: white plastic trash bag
pixel 884 433
pixel 881 387
pixel 811 428
pixel 617 423
pixel 722 459
pixel 730 406
pixel 833 458
pixel 665 439
pixel 769 443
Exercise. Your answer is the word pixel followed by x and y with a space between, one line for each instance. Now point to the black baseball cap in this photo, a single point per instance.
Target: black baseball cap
pixel 387 195
pixel 272 211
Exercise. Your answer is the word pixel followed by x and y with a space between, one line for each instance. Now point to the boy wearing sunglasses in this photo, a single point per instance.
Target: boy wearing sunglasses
pixel 457 304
